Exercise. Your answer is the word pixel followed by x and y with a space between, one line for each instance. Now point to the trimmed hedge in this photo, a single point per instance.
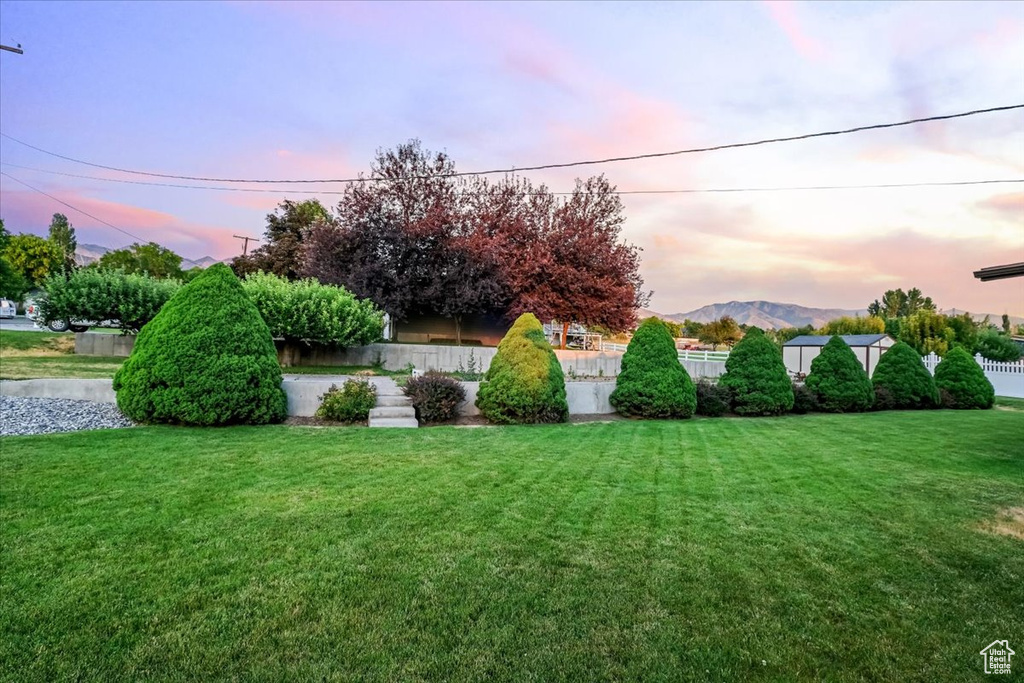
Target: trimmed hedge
pixel 997 347
pixel 524 383
pixel 652 382
pixel 351 403
pixel 713 400
pixel 308 311
pixel 205 359
pixel 902 382
pixel 93 295
pixel 804 400
pixel 838 380
pixel 435 396
pixel 757 377
pixel 962 383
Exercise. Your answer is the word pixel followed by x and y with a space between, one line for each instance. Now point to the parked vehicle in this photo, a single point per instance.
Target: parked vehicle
pixel 7 308
pixel 32 312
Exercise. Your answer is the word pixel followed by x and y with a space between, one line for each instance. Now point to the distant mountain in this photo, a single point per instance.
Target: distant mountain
pixel 204 262
pixel 88 253
pixel 766 314
pixel 769 314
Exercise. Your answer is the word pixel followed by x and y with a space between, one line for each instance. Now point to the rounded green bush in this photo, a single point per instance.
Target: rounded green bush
pixel 902 382
pixel 205 359
pixel 757 377
pixel 838 379
pixel 524 383
pixel 962 383
pixel 351 403
pixel 652 382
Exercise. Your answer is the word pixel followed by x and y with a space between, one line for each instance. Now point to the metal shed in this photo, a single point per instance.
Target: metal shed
pixel 798 352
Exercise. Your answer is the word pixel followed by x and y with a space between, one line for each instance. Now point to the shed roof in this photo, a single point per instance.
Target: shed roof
pixel 822 339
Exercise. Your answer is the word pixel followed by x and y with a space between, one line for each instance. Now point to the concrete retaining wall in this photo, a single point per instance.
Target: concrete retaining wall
pixel 98 344
pixel 585 398
pixel 420 356
pixel 96 390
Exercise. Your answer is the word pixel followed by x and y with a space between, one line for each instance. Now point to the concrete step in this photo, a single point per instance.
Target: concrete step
pixel 407 422
pixel 392 401
pixel 393 411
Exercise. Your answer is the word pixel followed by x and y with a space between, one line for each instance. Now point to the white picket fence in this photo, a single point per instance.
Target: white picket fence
pixel 1007 378
pixel 687 355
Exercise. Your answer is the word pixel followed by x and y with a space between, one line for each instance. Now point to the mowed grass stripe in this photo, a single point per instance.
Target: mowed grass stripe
pixel 837 547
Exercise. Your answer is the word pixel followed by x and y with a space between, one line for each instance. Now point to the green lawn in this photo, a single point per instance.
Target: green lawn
pixel 826 547
pixel 32 355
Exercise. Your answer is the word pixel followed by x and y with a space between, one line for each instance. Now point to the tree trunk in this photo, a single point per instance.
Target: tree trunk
pixel 458 330
pixel 565 333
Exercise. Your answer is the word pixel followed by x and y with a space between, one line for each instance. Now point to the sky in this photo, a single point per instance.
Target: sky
pixel 296 90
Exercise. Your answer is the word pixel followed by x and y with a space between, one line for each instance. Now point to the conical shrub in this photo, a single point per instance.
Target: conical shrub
pixel 652 382
pixel 838 380
pixel 757 377
pixel 902 382
pixel 962 383
pixel 524 383
pixel 207 358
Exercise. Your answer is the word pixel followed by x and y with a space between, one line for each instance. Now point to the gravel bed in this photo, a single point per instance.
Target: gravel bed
pixel 21 416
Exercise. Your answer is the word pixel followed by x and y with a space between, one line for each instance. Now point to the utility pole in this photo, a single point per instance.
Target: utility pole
pixel 245 248
pixel 16 50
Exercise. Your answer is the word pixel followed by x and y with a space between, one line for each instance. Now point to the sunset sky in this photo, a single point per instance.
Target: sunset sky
pixel 293 90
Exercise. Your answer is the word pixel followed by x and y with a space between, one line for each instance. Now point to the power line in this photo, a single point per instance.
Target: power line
pixel 951 183
pixel 73 208
pixel 540 167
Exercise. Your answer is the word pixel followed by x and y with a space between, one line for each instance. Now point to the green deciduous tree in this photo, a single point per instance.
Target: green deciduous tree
pixel 206 359
pixel 131 299
pixel 838 380
pixel 284 236
pixel 757 377
pixel 928 332
pixel 855 325
pixel 307 311
pixel 652 382
pixel 149 258
pixel 32 257
pixel 902 382
pixel 723 331
pixel 13 284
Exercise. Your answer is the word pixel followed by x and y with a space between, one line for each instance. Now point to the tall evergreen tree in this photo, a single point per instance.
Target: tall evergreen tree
pixel 62 234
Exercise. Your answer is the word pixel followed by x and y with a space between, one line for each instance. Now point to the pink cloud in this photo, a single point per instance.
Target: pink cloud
pixel 1009 207
pixel 26 211
pixel 785 16
pixel 722 255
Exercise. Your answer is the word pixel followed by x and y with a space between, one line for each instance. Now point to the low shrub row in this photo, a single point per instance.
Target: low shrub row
pixel 303 311
pixel 653 384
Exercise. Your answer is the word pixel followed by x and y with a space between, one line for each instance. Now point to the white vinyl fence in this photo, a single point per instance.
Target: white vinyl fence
pixel 697 356
pixel 1007 378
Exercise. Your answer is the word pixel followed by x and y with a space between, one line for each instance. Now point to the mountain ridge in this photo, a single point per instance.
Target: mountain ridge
pixel 89 253
pixel 771 314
